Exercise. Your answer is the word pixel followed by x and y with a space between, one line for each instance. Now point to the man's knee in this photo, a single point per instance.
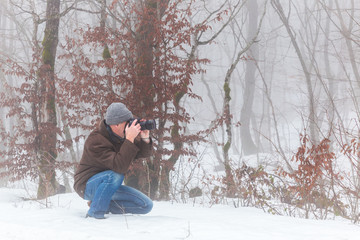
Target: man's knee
pixel 115 178
pixel 148 207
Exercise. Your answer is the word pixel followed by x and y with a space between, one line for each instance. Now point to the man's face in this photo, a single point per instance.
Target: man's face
pixel 119 129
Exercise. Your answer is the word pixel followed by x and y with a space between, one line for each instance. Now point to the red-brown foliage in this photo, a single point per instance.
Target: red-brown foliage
pixel 147 67
pixel 314 173
pixel 21 154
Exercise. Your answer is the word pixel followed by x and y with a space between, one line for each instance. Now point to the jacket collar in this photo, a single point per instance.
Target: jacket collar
pixel 107 132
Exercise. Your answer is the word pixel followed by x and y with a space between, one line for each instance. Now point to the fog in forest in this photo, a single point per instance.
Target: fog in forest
pixel 243 92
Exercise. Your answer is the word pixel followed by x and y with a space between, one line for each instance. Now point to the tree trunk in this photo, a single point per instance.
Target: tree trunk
pixel 3 23
pixel 226 108
pixel 2 80
pixel 247 143
pixel 312 113
pixel 330 89
pixel 347 33
pixel 106 52
pixel 48 122
pixel 230 184
pixel 144 71
pixel 68 137
pixel 3 180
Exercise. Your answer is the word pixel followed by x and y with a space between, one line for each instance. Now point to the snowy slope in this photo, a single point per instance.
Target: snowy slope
pixel 65 220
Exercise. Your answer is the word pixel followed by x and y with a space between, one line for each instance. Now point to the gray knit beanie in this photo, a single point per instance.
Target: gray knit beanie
pixel 117 113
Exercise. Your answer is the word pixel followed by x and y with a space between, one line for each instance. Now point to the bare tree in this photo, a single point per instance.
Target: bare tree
pixel 312 119
pixel 34 69
pixel 247 144
pixel 48 139
pixel 227 90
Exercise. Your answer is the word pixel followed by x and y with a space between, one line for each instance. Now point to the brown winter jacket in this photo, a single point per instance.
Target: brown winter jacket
pixel 104 151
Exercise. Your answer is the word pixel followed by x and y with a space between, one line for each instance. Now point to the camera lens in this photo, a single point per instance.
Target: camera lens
pixel 149 125
pixel 145 125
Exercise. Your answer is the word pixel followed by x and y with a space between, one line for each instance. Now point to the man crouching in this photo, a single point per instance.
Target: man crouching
pixel 108 153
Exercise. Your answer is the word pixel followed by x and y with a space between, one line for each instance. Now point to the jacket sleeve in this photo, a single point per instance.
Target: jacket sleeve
pixel 145 149
pixel 104 154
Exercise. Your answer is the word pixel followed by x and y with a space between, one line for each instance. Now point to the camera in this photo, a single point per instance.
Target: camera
pixel 145 125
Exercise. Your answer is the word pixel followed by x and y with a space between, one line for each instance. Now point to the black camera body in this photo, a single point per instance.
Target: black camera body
pixel 145 125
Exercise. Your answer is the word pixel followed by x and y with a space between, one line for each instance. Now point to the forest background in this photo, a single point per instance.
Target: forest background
pixel 256 101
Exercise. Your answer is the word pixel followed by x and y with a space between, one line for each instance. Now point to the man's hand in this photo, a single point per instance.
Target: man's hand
pixel 145 135
pixel 132 131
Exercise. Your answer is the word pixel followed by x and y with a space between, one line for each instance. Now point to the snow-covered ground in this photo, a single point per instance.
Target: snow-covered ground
pixel 64 219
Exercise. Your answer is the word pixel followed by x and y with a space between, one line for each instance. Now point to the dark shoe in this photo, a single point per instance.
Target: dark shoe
pixel 96 216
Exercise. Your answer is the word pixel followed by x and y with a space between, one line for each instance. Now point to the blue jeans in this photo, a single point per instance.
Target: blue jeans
pixel 107 194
